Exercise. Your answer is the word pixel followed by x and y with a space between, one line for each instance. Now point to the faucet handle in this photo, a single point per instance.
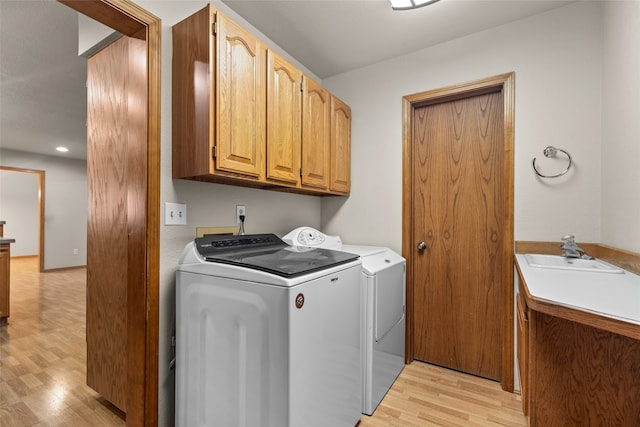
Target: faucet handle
pixel 568 238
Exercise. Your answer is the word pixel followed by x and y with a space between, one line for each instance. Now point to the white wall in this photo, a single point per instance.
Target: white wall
pixel 556 57
pixel 65 217
pixel 621 126
pixel 19 208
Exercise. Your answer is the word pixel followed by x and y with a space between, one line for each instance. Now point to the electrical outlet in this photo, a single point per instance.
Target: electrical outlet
pixel 175 214
pixel 240 210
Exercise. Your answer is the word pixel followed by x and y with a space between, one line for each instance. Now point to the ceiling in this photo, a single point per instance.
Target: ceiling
pixel 42 79
pixel 330 37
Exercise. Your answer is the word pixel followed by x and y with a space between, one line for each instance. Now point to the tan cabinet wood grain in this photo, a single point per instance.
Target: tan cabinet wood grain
pixel 243 115
pixel 219 98
pixel 316 135
pixel 284 105
pixel 340 146
pixel 240 100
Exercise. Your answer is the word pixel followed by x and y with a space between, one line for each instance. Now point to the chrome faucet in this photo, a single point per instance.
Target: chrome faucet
pixel 570 249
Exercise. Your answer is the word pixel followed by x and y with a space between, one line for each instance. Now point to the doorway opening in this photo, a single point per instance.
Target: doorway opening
pixel 40 177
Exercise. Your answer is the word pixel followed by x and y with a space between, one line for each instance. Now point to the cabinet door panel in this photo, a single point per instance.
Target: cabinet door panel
pixel 241 100
pixel 284 101
pixel 316 135
pixel 340 146
pixel 5 281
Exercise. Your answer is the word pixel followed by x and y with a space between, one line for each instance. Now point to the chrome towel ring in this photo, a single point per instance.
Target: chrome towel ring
pixel 552 152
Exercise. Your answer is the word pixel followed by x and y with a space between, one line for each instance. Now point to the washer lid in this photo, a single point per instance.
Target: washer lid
pixel 286 262
pixel 266 252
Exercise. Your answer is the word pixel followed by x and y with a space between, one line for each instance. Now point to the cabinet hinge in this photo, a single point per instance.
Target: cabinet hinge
pixel 214 151
pixel 214 28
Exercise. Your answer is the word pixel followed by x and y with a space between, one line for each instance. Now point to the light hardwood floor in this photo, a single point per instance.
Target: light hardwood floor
pixel 43 353
pixel 42 369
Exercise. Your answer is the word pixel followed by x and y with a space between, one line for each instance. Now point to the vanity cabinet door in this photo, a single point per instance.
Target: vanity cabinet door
pixel 523 352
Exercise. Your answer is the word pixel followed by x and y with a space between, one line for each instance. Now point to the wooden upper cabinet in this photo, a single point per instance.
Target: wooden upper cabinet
pixel 243 115
pixel 284 115
pixel 316 135
pixel 340 146
pixel 240 100
pixel 219 99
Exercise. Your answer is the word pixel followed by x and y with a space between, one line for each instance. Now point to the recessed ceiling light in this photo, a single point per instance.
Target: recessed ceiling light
pixel 62 149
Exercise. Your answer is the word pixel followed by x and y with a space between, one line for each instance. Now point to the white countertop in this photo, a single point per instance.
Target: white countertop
pixel 612 295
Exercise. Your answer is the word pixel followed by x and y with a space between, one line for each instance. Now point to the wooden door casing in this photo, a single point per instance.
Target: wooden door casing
pixel 454 255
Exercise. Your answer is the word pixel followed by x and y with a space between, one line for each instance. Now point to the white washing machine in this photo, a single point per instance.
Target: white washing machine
pixel 267 334
pixel 383 281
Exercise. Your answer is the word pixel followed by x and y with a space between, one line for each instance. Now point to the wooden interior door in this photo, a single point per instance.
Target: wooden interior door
pixel 116 121
pixel 131 20
pixel 458 214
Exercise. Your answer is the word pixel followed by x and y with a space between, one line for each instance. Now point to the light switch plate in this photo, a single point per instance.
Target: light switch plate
pixel 175 214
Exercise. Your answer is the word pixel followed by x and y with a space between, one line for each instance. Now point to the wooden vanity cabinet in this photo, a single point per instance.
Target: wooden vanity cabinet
pixel 219 100
pixel 576 368
pixel 522 351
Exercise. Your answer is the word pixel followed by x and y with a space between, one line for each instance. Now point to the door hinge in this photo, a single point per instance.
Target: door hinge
pixel 214 28
pixel 214 151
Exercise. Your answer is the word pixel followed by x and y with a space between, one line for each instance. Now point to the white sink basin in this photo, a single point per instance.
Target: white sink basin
pixel 577 264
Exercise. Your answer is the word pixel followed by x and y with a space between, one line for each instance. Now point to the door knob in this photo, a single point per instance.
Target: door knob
pixel 422 246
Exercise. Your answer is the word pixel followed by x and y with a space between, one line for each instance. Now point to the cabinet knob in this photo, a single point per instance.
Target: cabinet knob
pixel 422 246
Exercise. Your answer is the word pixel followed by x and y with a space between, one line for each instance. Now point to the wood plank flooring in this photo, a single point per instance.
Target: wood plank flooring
pixel 43 369
pixel 43 353
pixel 428 395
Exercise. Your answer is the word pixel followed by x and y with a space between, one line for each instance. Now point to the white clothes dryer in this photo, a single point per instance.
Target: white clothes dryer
pixel 383 302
